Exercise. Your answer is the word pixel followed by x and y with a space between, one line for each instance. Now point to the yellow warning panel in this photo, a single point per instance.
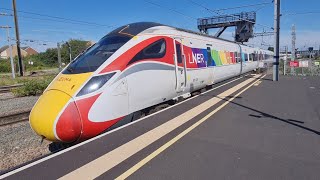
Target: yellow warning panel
pixel 69 83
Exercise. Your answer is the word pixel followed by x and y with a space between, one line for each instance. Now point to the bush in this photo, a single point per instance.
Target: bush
pixel 5 66
pixel 32 87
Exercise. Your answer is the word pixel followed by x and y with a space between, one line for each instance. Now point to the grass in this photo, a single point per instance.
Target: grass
pixel 33 86
pixel 6 78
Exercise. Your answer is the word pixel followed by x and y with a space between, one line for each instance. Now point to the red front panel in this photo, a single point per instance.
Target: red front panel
pixel 89 128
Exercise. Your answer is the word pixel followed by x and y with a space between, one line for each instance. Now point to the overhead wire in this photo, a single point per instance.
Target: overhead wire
pixel 66 20
pixel 263 5
pixel 301 13
pixel 258 9
pixel 54 19
pixel 79 22
pixel 171 9
pixel 43 23
pixel 51 19
pixel 60 21
pixel 244 6
pixel 221 14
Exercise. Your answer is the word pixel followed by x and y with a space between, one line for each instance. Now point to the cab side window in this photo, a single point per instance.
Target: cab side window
pixel 179 53
pixel 153 51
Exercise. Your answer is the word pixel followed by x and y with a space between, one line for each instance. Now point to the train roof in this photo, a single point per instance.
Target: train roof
pixel 134 29
pixel 206 35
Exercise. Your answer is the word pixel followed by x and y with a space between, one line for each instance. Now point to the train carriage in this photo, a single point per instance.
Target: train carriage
pixel 132 68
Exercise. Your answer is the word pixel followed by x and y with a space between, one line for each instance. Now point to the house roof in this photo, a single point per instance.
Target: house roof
pixel 3 48
pixel 26 49
pixel 30 48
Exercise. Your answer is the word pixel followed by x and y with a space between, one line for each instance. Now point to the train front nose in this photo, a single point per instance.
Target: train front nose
pixel 55 117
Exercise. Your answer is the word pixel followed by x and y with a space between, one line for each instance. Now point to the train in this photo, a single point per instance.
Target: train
pixel 134 67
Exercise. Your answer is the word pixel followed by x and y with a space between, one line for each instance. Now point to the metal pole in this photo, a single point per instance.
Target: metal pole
pixel 17 37
pixel 277 37
pixel 70 53
pixel 10 51
pixel 69 46
pixel 293 51
pixel 285 61
pixel 59 57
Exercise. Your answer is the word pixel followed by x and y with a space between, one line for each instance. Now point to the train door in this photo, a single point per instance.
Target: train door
pixel 241 60
pixel 180 65
pixel 211 64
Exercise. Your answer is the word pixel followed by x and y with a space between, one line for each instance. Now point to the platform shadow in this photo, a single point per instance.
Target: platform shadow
pixel 266 115
pixel 58 146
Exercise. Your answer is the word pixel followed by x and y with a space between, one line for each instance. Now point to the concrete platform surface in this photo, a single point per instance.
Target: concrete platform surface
pixel 271 131
pixel 245 128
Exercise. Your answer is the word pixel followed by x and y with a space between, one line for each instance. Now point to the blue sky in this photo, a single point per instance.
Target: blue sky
pixel 49 31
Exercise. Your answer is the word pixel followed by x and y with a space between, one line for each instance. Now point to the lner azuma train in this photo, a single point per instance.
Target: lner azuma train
pixel 134 67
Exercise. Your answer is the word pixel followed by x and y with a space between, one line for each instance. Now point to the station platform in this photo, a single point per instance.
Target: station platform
pixel 245 128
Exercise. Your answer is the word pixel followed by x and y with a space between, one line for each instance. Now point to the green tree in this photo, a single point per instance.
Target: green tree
pixel 49 58
pixel 77 46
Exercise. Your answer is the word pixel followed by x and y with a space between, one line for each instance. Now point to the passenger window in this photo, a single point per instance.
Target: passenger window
pixel 246 57
pixel 179 54
pixel 153 51
pixel 236 57
pixel 254 56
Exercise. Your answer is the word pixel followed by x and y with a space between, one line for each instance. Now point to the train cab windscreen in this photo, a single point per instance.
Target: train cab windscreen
pixel 91 59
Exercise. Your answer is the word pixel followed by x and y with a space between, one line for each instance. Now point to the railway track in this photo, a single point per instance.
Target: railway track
pixel 5 89
pixel 16 117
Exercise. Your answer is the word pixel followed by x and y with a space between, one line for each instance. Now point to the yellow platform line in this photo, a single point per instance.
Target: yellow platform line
pixel 111 159
pixel 175 139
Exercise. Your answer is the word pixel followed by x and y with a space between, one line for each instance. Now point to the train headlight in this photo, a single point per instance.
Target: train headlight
pixel 95 83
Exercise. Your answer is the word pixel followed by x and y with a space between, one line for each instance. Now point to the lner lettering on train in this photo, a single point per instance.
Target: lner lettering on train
pixel 197 58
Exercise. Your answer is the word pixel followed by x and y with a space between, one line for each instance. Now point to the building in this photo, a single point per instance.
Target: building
pixel 25 51
pixel 29 50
